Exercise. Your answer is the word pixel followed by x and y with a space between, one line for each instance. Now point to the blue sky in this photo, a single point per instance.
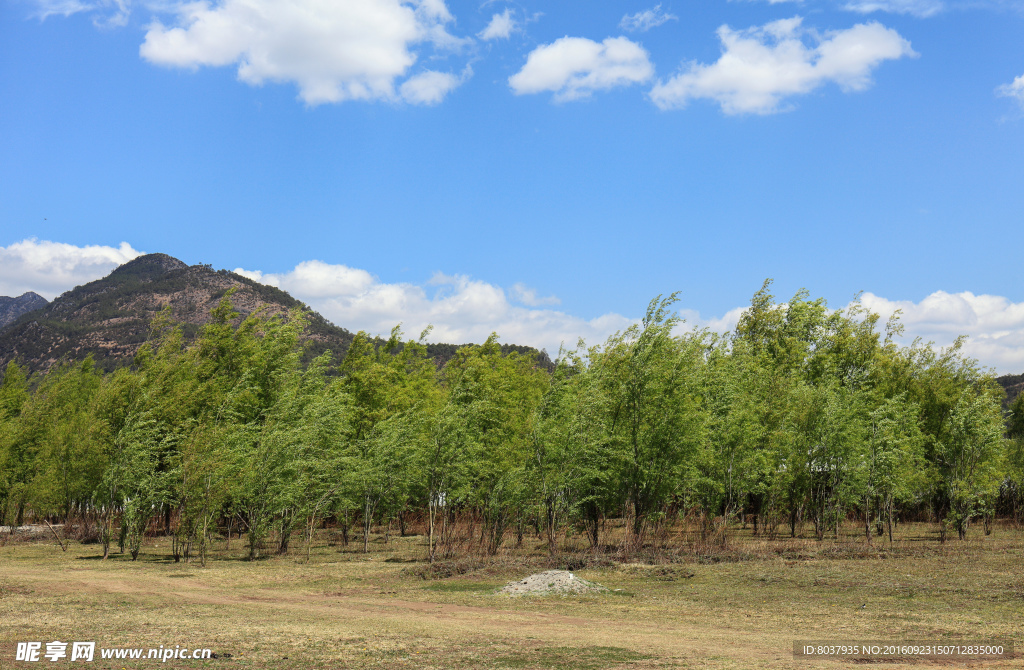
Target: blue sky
pixel 542 170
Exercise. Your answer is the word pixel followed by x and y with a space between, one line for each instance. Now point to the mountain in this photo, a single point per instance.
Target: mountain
pixel 1013 385
pixel 12 308
pixel 110 317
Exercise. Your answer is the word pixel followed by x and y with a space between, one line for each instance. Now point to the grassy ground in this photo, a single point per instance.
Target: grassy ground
pixel 345 609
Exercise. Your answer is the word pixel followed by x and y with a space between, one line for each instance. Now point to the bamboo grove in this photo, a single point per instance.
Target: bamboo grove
pixel 801 419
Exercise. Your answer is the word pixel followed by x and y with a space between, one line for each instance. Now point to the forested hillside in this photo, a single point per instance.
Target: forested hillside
pixel 800 419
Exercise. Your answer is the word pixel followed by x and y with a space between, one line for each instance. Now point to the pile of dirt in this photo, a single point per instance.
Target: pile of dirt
pixel 559 582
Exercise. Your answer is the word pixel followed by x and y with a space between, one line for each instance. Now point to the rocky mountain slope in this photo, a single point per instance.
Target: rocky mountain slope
pixel 12 308
pixel 110 317
pixel 1013 385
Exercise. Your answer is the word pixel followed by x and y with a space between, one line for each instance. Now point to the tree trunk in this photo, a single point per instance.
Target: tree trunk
pixel 552 539
pixel 867 519
pixel 593 523
pixel 431 509
pixel 368 509
pixel 286 533
pixel 888 507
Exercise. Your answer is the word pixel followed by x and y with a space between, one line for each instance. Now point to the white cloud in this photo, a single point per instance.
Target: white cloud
pixel 716 324
pixel 761 66
pixel 574 67
pixel 645 20
pixel 50 268
pixel 528 296
pixel 921 8
pixel 430 87
pixel 500 28
pixel 994 325
pixel 333 51
pixel 461 309
pixel 48 8
pixel 1014 89
pixel 111 13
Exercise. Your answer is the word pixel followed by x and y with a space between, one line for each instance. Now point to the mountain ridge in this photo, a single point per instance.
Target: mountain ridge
pixel 110 317
pixel 1013 385
pixel 11 309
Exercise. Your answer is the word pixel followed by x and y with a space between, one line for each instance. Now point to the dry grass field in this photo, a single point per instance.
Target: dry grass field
pixel 346 609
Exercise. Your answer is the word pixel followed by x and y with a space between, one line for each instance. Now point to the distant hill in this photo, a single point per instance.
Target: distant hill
pixel 110 317
pixel 12 308
pixel 1013 385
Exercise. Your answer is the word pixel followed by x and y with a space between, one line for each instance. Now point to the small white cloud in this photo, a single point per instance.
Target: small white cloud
pixel 574 67
pixel 716 324
pixel 772 2
pixel 316 279
pixel 994 325
pixel 761 66
pixel 48 8
pixel 430 87
pixel 1014 89
pixel 500 28
pixel 921 8
pixel 645 20
pixel 50 268
pixel 528 296
pixel 333 51
pixel 109 13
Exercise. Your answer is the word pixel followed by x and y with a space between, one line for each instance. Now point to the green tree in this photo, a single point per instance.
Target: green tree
pixel 657 412
pixel 895 458
pixel 968 456
pixel 390 384
pixel 14 394
pixel 495 397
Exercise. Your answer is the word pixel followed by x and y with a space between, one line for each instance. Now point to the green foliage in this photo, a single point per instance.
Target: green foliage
pixel 654 382
pixel 968 455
